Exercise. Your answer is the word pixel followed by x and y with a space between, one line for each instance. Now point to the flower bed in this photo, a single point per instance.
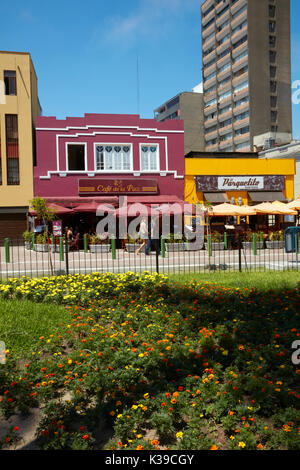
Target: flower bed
pixel 164 365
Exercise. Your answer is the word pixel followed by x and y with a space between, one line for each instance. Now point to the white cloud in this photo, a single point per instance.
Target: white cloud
pixel 152 18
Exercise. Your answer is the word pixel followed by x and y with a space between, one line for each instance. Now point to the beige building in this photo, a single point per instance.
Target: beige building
pixel 187 106
pixel 246 62
pixel 19 106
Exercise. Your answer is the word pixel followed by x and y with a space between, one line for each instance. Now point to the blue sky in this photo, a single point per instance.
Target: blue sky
pixel 85 53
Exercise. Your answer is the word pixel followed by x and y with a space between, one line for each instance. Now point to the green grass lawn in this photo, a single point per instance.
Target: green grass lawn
pixel 22 323
pixel 261 280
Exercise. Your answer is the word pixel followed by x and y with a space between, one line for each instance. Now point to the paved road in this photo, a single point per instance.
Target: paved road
pixel 30 263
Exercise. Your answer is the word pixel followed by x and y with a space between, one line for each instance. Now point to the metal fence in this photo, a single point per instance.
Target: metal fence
pixel 26 259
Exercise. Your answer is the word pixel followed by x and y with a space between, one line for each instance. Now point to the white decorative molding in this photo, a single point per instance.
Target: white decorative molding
pixel 86 128
pixel 99 173
pixel 63 175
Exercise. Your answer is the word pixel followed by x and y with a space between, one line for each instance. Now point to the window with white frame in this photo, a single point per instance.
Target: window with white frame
pixel 149 158
pixel 113 157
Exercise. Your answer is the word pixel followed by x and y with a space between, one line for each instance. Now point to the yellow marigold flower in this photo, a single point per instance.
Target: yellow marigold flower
pixel 179 435
pixel 242 444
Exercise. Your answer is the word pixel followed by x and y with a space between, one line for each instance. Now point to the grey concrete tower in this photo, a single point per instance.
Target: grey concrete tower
pixel 246 59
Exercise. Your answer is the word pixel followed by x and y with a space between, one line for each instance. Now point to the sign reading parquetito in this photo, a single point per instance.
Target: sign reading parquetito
pixel 97 186
pixel 240 183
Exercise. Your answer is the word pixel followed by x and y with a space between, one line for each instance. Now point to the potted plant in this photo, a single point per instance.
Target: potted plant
pixel 217 241
pixel 41 242
pixel 99 243
pixel 131 244
pixel 248 240
pixel 175 242
pixel 275 240
pixel 28 239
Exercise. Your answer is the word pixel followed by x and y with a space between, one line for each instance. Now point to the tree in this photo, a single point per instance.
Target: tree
pixel 45 214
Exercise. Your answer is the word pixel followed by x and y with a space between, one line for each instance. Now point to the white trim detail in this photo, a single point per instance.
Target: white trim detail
pixel 109 127
pixel 98 173
pixel 75 136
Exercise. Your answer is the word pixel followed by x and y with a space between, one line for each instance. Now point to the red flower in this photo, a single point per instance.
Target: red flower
pixel 85 437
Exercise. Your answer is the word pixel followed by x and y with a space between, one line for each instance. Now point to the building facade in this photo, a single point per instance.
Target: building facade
pixel 287 152
pixel 99 156
pixel 189 107
pixel 238 178
pixel 19 107
pixel 246 61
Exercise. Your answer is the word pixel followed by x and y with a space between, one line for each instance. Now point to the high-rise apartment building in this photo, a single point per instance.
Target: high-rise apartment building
pixel 246 62
pixel 19 106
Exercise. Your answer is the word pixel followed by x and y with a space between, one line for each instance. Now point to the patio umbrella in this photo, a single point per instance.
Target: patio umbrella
pixel 223 210
pixel 294 205
pixel 91 207
pixel 177 209
pixel 59 210
pixel 274 209
pixel 245 210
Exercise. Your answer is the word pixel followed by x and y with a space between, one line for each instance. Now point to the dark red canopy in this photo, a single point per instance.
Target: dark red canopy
pixel 92 207
pixel 59 210
pixel 136 210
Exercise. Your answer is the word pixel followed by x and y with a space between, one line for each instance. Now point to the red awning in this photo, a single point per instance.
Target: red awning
pixel 58 209
pixel 91 207
pixel 161 199
pixel 70 201
pixel 135 210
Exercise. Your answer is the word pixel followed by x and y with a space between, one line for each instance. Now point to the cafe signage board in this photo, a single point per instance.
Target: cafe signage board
pixel 110 186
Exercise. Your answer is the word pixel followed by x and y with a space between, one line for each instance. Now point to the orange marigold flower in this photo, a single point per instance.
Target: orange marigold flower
pixel 214 447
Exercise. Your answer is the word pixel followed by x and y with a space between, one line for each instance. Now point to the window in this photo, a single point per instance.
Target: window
pixel 272 11
pixel 273 86
pixel 12 149
pixel 225 123
pixel 242 146
pixel 10 82
pixel 272 41
pixel 273 116
pixel 241 87
pixel 272 56
pixel 273 101
pixel 112 157
pixel 272 71
pixel 243 130
pixel 76 157
pixel 272 26
pixel 149 158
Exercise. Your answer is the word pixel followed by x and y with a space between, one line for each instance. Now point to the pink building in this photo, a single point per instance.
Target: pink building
pixel 101 157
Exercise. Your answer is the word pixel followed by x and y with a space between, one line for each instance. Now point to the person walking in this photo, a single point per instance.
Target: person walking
pixel 143 235
pixel 154 236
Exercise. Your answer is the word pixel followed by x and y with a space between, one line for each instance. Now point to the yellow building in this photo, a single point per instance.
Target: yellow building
pixel 19 106
pixel 237 178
